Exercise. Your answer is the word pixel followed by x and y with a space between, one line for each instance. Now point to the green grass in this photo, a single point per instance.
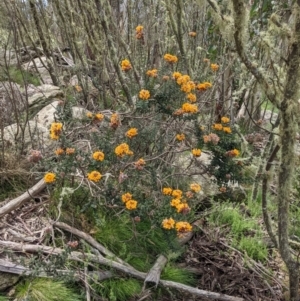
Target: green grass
pixel 19 76
pixel 180 275
pixel 118 289
pixel 45 290
pixel 242 229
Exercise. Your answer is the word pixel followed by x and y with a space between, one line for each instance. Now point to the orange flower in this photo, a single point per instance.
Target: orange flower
pixel 225 119
pixel 168 223
pixel 144 94
pixel 218 127
pixel 189 108
pixel 170 58
pixel 152 73
pixel 114 120
pixel 192 97
pixel 131 204
pixel 192 34
pixel 122 150
pixel 196 152
pixel 98 156
pixel 139 32
pixel 70 151
pixel 183 208
pixel 59 151
pixel 180 137
pixel 94 176
pixel 183 227
pixel 131 133
pixel 214 67
pixel 233 153
pixel 139 164
pixel 167 191
pixel 177 193
pixel 99 116
pixel 176 75
pixel 50 177
pixel 126 197
pixel 126 65
pixel 175 202
pixel 227 129
pixel 195 187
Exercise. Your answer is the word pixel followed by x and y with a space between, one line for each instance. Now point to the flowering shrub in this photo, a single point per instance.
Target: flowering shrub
pixel 132 159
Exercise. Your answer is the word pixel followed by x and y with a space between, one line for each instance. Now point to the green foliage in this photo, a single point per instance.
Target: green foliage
pixel 244 230
pixel 44 290
pixel 118 289
pixel 223 143
pixel 21 77
pixel 135 242
pixel 3 298
pixel 180 275
pixel 253 247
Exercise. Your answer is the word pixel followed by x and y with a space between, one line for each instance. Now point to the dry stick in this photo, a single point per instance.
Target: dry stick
pixel 26 196
pixel 78 256
pixel 17 269
pixel 153 275
pixel 88 239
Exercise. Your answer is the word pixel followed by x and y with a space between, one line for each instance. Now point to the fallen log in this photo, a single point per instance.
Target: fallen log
pixel 26 196
pixel 79 256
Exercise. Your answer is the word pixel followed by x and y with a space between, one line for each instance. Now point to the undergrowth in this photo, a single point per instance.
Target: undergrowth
pixel 240 223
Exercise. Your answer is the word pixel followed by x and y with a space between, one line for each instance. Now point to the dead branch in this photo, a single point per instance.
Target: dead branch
pixel 153 275
pixel 79 256
pixel 17 202
pixel 90 240
pixel 17 269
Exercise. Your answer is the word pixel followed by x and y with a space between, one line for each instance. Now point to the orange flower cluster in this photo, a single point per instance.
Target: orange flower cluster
pixel 114 120
pixel 59 151
pixel 225 119
pixel 98 156
pixel 129 202
pixel 126 65
pixel 132 133
pixel 144 94
pixel 233 153
pixel 218 127
pixel 176 75
pixel 196 152
pixel 191 97
pixel 203 86
pixel 122 150
pixel 171 58
pixel 227 129
pixel 152 73
pixel 139 34
pixel 139 164
pixel 214 67
pixel 180 137
pixel 94 176
pixel 55 130
pixel 213 138
pixel 50 177
pixel 181 207
pixel 189 108
pixel 70 151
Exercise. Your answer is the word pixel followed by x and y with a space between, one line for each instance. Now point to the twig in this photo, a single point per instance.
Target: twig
pixel 90 240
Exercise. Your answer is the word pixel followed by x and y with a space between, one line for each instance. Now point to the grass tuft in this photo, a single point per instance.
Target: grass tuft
pixel 44 290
